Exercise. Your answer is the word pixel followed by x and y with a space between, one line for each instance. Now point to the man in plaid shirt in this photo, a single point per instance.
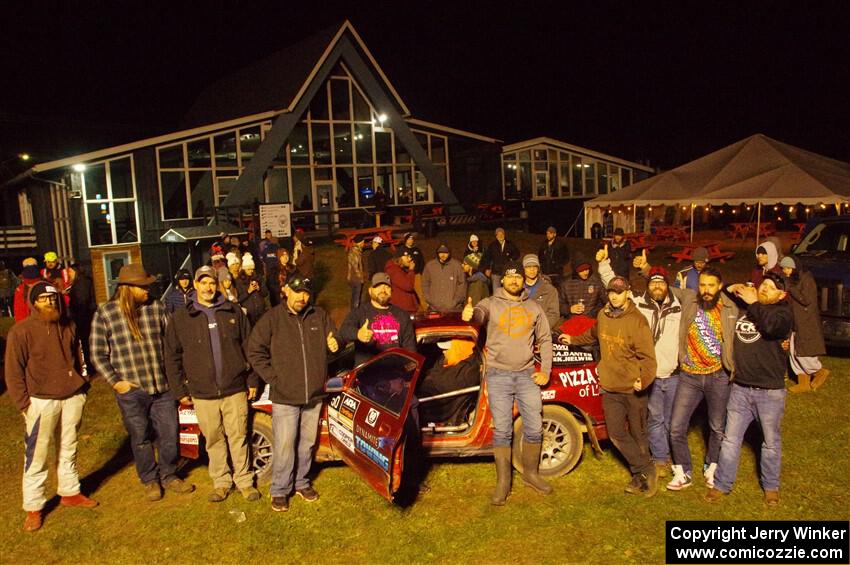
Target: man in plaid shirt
pixel 126 349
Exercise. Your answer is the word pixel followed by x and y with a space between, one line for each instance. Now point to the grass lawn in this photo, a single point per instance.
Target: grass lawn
pixel 587 520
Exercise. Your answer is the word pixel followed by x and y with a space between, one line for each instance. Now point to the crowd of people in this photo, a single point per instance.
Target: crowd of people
pixel 249 317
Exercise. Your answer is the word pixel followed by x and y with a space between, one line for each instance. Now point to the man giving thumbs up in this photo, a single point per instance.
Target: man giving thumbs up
pixel 378 325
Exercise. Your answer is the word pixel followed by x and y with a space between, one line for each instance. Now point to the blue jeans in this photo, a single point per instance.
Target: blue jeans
pixel 503 387
pixel 295 429
pixel 660 413
pixel 745 405
pixel 356 291
pixel 144 413
pixel 714 387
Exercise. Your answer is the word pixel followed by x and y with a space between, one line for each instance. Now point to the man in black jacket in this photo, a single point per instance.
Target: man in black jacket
pixel 498 254
pixel 554 255
pixel 758 387
pixel 289 349
pixel 205 365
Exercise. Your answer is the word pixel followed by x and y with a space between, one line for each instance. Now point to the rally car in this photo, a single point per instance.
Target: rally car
pixel 367 415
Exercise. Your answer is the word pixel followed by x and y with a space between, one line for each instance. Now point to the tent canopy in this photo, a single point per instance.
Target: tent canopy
pixel 756 170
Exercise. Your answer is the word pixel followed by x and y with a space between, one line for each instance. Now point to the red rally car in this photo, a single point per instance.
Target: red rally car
pixel 369 409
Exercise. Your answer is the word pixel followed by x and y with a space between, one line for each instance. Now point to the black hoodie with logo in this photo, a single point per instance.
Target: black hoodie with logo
pixel 760 360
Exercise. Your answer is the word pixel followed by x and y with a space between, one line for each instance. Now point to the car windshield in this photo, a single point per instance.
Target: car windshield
pixel 387 381
pixel 832 237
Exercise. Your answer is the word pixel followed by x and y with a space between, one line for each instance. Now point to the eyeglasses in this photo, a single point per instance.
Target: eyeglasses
pixel 43 299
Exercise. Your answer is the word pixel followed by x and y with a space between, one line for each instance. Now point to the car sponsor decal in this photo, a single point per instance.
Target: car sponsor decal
pixel 333 406
pixel 345 436
pixel 187 416
pixel 369 436
pixel 562 353
pixel 372 416
pixel 189 439
pixel 583 379
pixel 547 394
pixel 347 411
pixel 372 453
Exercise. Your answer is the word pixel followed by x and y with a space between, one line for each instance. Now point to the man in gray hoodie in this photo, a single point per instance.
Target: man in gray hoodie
pixel 444 282
pixel 515 325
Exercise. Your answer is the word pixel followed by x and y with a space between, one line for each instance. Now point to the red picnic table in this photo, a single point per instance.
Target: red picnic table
pixel 675 233
pixel 741 229
pixel 713 247
pixel 637 241
pixel 349 235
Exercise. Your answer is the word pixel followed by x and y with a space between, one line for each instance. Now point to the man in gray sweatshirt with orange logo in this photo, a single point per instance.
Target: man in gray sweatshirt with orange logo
pixel 515 325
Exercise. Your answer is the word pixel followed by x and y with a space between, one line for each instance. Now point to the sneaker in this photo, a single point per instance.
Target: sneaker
pixel 280 503
pixel 681 480
pixel 250 494
pixel 714 495
pixel 80 500
pixel 308 493
pixel 219 494
pixel 634 485
pixel 153 492
pixel 771 497
pixel 179 486
pixel 33 521
pixel 709 475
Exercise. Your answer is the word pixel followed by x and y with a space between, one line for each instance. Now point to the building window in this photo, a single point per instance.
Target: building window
pixel 112 263
pixel 109 188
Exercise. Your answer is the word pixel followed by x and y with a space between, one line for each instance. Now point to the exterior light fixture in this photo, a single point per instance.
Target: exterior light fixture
pixel 24 156
pixel 382 118
pixel 78 168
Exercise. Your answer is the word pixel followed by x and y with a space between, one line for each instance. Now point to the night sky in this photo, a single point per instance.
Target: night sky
pixel 652 81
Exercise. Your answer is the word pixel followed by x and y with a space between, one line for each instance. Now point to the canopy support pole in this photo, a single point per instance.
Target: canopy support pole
pixel 693 207
pixel 634 218
pixel 758 224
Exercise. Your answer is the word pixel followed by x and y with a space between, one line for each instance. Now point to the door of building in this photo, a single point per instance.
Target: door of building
pixel 324 196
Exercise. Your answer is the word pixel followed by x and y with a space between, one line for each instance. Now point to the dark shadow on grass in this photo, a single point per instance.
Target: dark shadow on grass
pixel 321 276
pixel 94 480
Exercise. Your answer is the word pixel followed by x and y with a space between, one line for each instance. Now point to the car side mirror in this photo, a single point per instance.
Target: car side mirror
pixel 336 384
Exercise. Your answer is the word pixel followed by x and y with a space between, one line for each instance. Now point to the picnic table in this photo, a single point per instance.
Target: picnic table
pixel 713 247
pixel 741 229
pixel 674 233
pixel 348 235
pixel 637 241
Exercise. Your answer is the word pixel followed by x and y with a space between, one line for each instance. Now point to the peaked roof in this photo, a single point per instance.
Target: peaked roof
pixel 755 170
pixel 277 82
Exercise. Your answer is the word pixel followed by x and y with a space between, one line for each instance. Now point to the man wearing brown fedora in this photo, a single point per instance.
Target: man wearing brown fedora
pixel 126 349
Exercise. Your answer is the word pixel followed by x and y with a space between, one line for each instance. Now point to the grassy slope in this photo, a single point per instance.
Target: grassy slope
pixel 586 520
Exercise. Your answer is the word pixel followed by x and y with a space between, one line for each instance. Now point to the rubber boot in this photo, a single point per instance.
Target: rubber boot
pixel 820 378
pixel 504 468
pixel 802 384
pixel 530 464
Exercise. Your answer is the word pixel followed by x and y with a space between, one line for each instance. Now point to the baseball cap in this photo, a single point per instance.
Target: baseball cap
pixel 513 268
pixel 379 279
pixel 658 274
pixel 183 274
pixel 30 261
pixel 700 254
pixel 40 288
pixel 788 263
pixel 618 285
pixel 402 251
pixel 377 239
pixel 300 284
pixel 530 260
pixel 473 237
pixel 51 256
pixel 205 271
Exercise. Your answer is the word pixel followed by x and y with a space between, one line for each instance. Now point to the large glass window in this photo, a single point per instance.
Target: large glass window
pixel 383 147
pixel 340 100
pixel 345 187
pixel 509 170
pixel 363 143
pixel 602 178
pixel 321 143
pixel 577 167
pixel 110 202
pixel 302 189
pixel 343 152
pixel 589 177
pixel 299 153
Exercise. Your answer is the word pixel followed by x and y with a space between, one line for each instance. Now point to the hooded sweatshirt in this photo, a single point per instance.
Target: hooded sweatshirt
pixel 444 285
pixel 513 328
pixel 772 263
pixel 625 342
pixel 43 360
pixel 760 360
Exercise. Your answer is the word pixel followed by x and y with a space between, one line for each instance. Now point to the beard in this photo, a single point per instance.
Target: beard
pixel 48 313
pixel 513 290
pixel 382 299
pixel 708 303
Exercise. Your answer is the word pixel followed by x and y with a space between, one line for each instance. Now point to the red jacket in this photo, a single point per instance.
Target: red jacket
pixel 403 285
pixel 21 302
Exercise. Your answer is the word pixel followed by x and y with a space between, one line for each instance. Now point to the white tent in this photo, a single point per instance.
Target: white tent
pixel 757 170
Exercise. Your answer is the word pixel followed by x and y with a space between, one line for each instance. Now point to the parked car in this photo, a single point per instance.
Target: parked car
pixel 824 250
pixel 364 418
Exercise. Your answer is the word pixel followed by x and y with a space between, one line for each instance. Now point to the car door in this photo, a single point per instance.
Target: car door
pixel 366 421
